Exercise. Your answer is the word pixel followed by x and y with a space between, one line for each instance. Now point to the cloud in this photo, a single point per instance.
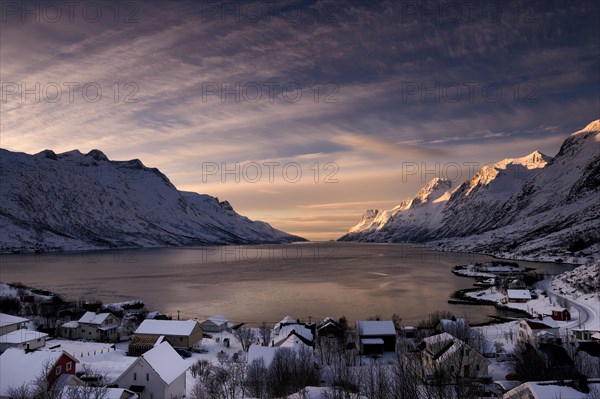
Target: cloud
pixel 375 83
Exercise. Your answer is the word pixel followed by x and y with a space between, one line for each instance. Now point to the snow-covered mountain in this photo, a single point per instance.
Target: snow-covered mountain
pixel 534 207
pixel 75 201
pixel 411 220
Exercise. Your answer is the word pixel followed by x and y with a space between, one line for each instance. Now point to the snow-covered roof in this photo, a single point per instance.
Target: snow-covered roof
pixel 298 328
pixel 7 320
pixel 545 390
pixel 292 342
pixel 371 341
pixel 596 336
pixel 267 353
pixel 18 368
pixel 548 321
pixel 285 320
pixel 21 336
pixel 519 294
pixel 166 362
pixel 167 327
pixel 93 318
pixel 218 320
pixel 380 327
pixel 70 324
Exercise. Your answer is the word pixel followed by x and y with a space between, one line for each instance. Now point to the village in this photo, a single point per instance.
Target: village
pixel 56 349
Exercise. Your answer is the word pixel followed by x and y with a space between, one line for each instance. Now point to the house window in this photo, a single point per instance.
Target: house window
pixel 477 367
pixel 135 376
pixel 57 372
pixel 69 366
pixel 452 369
pixel 468 351
pixel 180 339
pixel 82 330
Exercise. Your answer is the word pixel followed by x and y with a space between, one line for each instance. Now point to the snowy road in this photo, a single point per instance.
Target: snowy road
pixel 588 310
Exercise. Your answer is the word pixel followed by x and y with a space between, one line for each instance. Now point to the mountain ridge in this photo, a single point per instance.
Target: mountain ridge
pixel 76 201
pixel 532 207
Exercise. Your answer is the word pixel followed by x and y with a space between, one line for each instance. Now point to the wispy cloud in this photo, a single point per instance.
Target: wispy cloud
pixel 363 86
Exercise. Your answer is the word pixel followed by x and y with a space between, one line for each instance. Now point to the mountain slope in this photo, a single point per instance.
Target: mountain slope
pixel 532 207
pixel 75 201
pixel 409 221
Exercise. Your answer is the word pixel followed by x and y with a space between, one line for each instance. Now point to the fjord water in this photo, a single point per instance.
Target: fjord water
pixel 264 282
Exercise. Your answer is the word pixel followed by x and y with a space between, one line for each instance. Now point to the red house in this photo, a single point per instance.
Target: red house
pixel 19 368
pixel 561 314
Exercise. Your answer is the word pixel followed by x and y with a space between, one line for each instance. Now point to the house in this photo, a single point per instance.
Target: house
pixel 215 324
pixel 559 314
pixel 157 374
pixel 530 330
pixel 19 369
pixel 101 327
pixel 266 353
pixel 518 296
pixel 408 332
pixel 23 339
pixel 444 354
pixel 329 328
pixel 294 339
pixel 10 323
pixel 582 334
pixel 375 337
pixel 552 389
pixel 118 393
pixel 287 320
pixel 596 337
pixel 179 333
pixel 299 330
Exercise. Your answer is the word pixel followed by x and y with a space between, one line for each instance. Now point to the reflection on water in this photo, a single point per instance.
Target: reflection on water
pixel 263 283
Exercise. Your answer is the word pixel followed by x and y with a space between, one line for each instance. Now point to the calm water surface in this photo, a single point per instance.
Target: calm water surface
pixel 264 283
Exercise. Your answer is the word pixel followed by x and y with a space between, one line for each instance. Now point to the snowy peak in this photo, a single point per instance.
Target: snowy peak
pixel 593 126
pixel 505 174
pixel 431 192
pixel 534 160
pixel 366 220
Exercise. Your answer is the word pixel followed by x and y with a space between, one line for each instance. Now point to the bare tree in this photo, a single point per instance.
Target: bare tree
pixel 256 379
pixel 20 392
pixel 291 370
pixel 246 336
pixel 264 334
pixel 376 381
pixel 95 388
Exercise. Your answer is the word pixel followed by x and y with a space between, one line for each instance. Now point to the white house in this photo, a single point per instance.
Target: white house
pixel 215 324
pixel 299 330
pixel 157 374
pixel 10 323
pixel 444 354
pixel 23 339
pixel 100 327
pixel 531 329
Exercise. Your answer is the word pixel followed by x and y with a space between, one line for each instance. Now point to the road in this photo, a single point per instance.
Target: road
pixel 588 317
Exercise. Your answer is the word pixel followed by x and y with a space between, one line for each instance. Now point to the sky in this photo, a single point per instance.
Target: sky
pixel 299 113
